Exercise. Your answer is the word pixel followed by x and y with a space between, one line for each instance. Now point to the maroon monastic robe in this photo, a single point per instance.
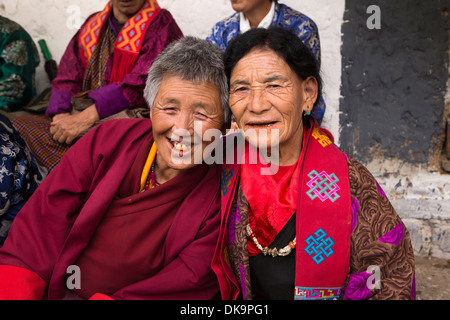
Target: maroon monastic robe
pixel 65 220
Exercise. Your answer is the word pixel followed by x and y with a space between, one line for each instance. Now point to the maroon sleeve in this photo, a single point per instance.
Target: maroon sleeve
pixel 77 192
pixel 39 231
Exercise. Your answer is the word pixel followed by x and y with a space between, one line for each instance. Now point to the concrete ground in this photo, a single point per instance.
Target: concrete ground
pixel 432 278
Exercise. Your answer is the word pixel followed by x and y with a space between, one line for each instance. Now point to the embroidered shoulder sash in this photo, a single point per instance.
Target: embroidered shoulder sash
pixel 323 220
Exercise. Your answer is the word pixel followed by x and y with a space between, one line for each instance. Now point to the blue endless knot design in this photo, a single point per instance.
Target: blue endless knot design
pixel 323 186
pixel 320 246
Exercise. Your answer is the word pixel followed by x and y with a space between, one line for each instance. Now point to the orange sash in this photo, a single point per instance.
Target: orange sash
pixel 128 43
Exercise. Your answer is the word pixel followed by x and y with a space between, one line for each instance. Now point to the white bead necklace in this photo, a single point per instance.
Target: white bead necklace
pixel 274 251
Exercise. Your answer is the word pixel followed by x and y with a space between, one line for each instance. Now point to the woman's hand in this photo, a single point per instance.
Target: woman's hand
pixel 66 128
pixel 60 116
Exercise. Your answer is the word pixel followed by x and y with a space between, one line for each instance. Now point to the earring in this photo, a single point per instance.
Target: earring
pixel 306 113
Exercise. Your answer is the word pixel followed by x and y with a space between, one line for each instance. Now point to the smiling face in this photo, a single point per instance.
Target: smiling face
pixel 266 98
pixel 125 9
pixel 181 113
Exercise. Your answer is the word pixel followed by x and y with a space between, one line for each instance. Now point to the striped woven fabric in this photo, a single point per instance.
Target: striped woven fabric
pixel 96 66
pixel 35 130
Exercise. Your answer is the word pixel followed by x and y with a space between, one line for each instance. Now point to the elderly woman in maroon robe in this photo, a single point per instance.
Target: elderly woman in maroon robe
pixel 101 75
pixel 128 213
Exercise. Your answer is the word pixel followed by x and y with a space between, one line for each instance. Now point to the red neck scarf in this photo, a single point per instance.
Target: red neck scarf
pixel 129 41
pixel 271 203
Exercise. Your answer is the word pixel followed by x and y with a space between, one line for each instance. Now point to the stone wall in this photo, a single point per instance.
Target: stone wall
pixel 429 225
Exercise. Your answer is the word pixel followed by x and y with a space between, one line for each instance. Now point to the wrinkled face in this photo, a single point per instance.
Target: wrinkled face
pixel 126 8
pixel 181 114
pixel 267 98
pixel 246 5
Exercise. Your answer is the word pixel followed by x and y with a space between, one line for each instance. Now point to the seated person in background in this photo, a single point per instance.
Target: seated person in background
pixel 20 175
pixel 101 73
pixel 18 61
pixel 263 14
pixel 122 207
pixel 315 225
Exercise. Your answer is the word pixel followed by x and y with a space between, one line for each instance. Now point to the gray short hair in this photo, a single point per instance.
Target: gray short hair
pixel 191 59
